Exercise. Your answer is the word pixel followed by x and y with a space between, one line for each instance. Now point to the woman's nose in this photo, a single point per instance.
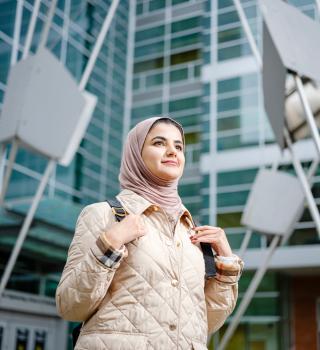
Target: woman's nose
pixel 171 150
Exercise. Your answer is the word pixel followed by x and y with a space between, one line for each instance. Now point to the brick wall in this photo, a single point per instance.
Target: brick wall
pixel 305 292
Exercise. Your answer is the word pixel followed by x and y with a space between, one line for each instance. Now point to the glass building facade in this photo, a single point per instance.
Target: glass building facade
pixel 189 59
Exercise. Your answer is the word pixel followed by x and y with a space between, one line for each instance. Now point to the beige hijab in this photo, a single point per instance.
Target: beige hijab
pixel 135 176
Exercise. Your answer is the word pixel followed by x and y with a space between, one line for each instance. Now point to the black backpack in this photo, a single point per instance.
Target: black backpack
pixel 120 214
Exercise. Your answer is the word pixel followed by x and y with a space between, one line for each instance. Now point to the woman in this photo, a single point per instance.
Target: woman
pixel 139 283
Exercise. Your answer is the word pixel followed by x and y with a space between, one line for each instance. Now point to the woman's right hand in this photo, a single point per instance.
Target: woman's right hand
pixel 125 231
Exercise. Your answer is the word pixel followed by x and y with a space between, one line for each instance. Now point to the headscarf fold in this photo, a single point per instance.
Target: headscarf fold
pixel 135 176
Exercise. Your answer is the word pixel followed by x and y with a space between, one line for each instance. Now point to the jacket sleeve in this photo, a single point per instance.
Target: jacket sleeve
pixel 222 292
pixel 85 279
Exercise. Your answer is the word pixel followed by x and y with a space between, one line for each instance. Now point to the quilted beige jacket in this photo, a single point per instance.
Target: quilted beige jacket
pixel 156 297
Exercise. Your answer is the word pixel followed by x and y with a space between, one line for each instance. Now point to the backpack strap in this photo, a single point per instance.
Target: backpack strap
pixel 117 209
pixel 209 262
pixel 208 257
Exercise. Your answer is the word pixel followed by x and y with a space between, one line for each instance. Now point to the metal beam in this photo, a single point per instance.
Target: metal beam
pixel 8 171
pixel 16 33
pixel 304 182
pixel 25 227
pixel 318 5
pixel 98 45
pixel 249 294
pixel 248 31
pixel 3 155
pixel 45 32
pixel 308 112
pixel 245 243
pixel 32 25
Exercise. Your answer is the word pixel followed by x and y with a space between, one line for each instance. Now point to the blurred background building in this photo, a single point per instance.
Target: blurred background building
pixel 191 60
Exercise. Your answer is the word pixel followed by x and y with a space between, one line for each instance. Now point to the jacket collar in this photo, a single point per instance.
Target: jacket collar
pixel 135 204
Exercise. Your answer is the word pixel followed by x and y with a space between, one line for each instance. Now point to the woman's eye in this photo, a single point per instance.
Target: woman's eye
pixel 157 143
pixel 179 148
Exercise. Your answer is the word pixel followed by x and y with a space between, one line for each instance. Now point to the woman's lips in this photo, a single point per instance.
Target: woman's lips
pixel 172 163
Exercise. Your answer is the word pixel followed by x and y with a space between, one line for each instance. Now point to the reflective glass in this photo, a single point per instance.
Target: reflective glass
pixel 149 33
pixel 185 57
pixel 179 74
pixel 185 24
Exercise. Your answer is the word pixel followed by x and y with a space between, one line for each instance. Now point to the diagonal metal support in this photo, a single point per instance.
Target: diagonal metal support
pixel 308 113
pixel 98 45
pixel 248 31
pixel 3 155
pixel 31 28
pixel 8 171
pixel 318 5
pixel 311 172
pixel 45 32
pixel 304 182
pixel 25 227
pixel 16 32
pixel 249 294
pixel 245 243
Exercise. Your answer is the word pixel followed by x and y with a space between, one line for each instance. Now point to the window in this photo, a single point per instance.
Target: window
pixel 179 74
pixel 148 65
pixel 146 111
pixel 136 83
pixel 225 3
pixel 227 18
pixel 149 49
pixel 230 34
pixel 185 24
pixel 192 137
pixel 189 190
pixel 185 57
pixel 237 177
pixel 232 199
pixel 186 40
pixel 149 33
pixel 176 2
pixel 156 5
pixel 139 9
pixel 185 103
pixel 154 79
pixel 22 336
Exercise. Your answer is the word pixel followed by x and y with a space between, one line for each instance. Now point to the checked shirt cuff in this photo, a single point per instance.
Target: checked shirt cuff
pixel 107 255
pixel 229 269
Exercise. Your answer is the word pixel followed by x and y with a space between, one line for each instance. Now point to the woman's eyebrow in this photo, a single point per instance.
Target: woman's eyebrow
pixel 164 139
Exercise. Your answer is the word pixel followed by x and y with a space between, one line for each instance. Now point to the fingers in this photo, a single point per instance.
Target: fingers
pixel 205 232
pixel 139 224
pixel 132 227
pixel 207 239
pixel 206 227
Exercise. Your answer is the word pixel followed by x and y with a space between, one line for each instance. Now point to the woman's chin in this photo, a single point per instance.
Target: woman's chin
pixel 169 176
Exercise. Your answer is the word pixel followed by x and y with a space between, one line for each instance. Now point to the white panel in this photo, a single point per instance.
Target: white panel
pixel 52 114
pixel 78 132
pixel 297 44
pixel 275 203
pixel 14 97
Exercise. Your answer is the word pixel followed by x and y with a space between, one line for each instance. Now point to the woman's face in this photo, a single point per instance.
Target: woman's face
pixel 162 152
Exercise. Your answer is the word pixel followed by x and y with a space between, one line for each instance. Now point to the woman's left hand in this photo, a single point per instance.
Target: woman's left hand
pixel 213 235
